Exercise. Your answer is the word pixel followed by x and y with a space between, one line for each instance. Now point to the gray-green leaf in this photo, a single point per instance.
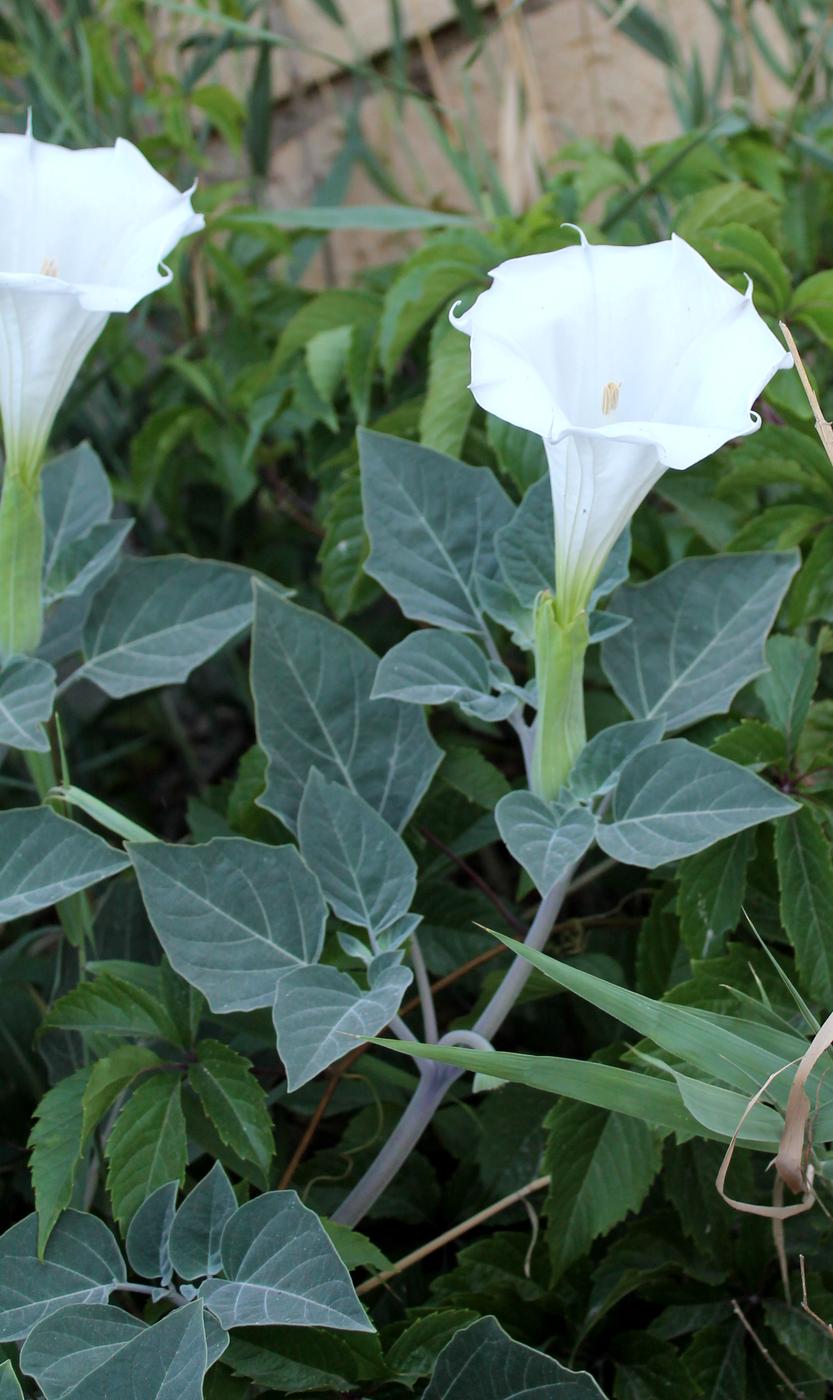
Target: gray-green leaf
pixel 599 764
pixel 675 799
pixel 198 1226
pixel 312 683
pixel 280 1268
pixel 433 668
pixel 232 915
pixel 482 1362
pixel 431 522
pixel 91 1352
pixel 696 636
pixel 365 869
pixel 148 1235
pixel 27 695
pixel 44 858
pixel 321 1014
pixel 155 620
pixel 81 1264
pixel 9 1384
pixel 546 838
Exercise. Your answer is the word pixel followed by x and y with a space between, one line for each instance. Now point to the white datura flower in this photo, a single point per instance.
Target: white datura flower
pixel 627 361
pixel 82 234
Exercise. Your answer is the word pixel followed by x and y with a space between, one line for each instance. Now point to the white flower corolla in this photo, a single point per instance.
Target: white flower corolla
pixel 627 361
pixel 82 234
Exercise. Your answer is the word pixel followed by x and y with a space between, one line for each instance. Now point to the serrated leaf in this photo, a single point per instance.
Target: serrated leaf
pixel 147 1241
pixel 45 858
pixel 467 771
pixel 431 522
pixel 280 1268
pixel 696 635
pixel 298 1359
pixel 312 682
pixel 344 550
pixel 109 1077
pixel 716 1361
pixel 546 838
pixel 207 906
pixel 198 1226
pixel 481 1362
pixel 602 1166
pixel 146 1147
pixel 752 743
pixel 805 874
pixel 415 1351
pixel 787 687
pixel 712 888
pixel 675 799
pixel 424 284
pixel 156 620
pixel 224 1083
pixel 321 1014
pixel 56 1143
pixel 113 1006
pixel 81 1264
pixel 365 869
pixel 27 698
pixel 97 1351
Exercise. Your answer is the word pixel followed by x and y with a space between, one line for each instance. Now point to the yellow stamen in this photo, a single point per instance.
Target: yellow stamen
pixel 49 268
pixel 610 397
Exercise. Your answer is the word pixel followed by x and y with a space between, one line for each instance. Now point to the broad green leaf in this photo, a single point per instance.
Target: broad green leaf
pixel 811 596
pixel 231 1097
pixel 433 667
pixel 9 1384
pixel 388 218
pixel 512 1138
pixel 812 304
pixel 712 886
pixel 546 838
pixel 752 743
pixel 81 1264
pixel 426 284
pixel 56 1142
pixel 27 697
pixel 716 1361
pixel 431 522
pixel 109 1077
pixel 365 869
pixel 805 874
pixel 801 1335
pixel 280 1267
pixel 675 799
pixel 147 1241
pixel 601 1167
pixel 526 545
pixel 155 620
pixel 787 687
pixel 114 1006
pixel 697 635
pixel 601 761
pixel 467 771
pixel 298 1359
pixel 481 1362
pixel 336 307
pixel 44 858
pixel 93 1352
pixel 147 1146
pixel 76 499
pixel 415 1350
pixel 198 1226
pixel 354 1249
pixel 321 1014
pixel 520 454
pixel 209 908
pixel 345 584
pixel 449 403
pixel 312 683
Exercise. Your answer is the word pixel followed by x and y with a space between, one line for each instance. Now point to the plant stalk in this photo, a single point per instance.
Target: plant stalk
pixel 21 563
pixel 560 733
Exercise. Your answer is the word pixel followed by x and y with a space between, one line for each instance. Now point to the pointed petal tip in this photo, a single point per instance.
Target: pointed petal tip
pixel 580 231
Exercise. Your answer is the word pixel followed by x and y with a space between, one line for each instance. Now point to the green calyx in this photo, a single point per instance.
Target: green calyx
pixel 21 562
pixel 560 733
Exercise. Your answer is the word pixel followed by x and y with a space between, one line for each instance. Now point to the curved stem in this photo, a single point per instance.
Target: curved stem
pixel 469 1038
pixel 429 1094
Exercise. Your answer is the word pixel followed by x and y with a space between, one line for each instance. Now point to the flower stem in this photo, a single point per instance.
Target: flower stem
pixel 560 733
pixel 21 563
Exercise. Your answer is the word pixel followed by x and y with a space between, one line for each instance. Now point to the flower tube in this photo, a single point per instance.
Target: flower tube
pixel 82 234
pixel 627 362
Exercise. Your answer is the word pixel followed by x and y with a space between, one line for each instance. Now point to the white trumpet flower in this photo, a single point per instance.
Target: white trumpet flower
pixel 627 362
pixel 82 234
